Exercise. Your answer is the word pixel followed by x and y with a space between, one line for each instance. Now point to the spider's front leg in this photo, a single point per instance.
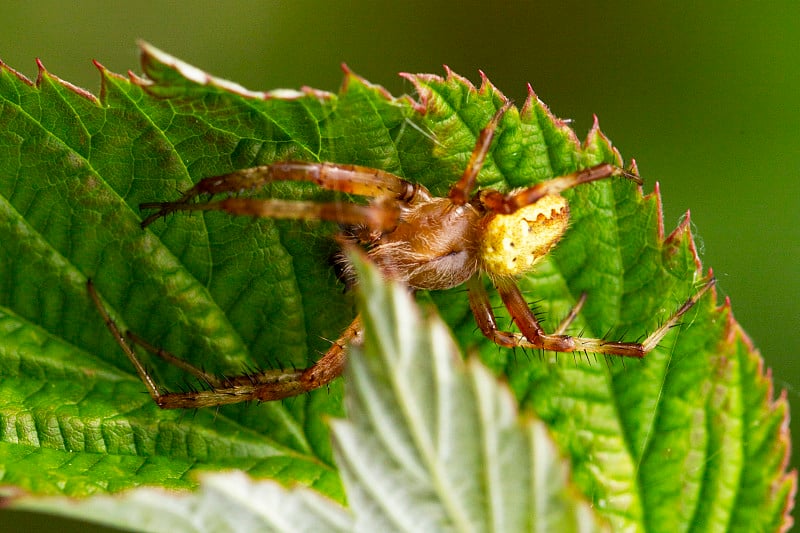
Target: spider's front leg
pixel 351 179
pixel 534 337
pixel 505 204
pixel 460 191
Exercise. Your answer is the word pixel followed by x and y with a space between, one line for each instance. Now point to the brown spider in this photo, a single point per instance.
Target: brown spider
pixel 424 241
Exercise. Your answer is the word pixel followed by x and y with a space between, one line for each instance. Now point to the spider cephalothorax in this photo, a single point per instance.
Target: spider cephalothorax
pixel 424 241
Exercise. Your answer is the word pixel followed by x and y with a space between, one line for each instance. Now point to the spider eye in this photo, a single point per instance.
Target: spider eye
pixel 512 244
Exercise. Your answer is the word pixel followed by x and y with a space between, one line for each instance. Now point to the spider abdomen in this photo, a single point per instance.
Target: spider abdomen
pixel 513 243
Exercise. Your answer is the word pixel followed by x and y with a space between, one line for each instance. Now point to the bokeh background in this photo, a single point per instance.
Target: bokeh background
pixel 704 95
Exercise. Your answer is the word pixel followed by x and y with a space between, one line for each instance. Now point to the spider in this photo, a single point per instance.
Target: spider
pixel 421 240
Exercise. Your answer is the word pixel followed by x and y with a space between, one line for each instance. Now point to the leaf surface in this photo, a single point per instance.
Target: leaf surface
pixel 449 453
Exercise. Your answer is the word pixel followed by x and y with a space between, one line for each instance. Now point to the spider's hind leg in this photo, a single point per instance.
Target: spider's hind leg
pixel 534 336
pixel 199 373
pixel 266 385
pixel 144 375
pixel 534 333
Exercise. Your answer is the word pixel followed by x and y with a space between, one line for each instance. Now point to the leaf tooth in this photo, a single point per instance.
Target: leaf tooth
pixel 654 196
pixel 530 101
pixel 681 233
pixel 596 136
pixel 24 79
pixel 43 73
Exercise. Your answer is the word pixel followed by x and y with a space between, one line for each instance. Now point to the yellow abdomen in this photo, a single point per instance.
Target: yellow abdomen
pixel 512 244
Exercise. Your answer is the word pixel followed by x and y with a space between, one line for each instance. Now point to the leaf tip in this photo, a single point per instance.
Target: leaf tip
pixel 597 141
pixel 683 233
pixel 430 89
pixel 155 62
pixel 733 331
pixel 654 196
pixel 595 122
pixel 21 77
pixel 421 104
pixel 530 101
pixel 421 87
pixel 138 80
pixel 487 87
pixel 40 66
pixel 43 74
pixel 534 106
pixel 105 74
pixel 447 70
pixel 352 79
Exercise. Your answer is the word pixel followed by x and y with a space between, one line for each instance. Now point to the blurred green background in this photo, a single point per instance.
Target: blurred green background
pixel 704 95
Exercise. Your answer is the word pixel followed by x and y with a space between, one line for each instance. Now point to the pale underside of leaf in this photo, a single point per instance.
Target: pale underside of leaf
pixel 457 456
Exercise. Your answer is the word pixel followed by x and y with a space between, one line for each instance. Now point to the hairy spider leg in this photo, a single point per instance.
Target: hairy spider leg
pixel 263 386
pixel 199 373
pixel 460 192
pixel 533 335
pixel 331 365
pixel 509 203
pixel 377 216
pixel 120 338
pixel 505 204
pixel 351 179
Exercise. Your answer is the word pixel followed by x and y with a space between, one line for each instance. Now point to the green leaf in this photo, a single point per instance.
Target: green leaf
pixel 444 454
pixel 691 438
